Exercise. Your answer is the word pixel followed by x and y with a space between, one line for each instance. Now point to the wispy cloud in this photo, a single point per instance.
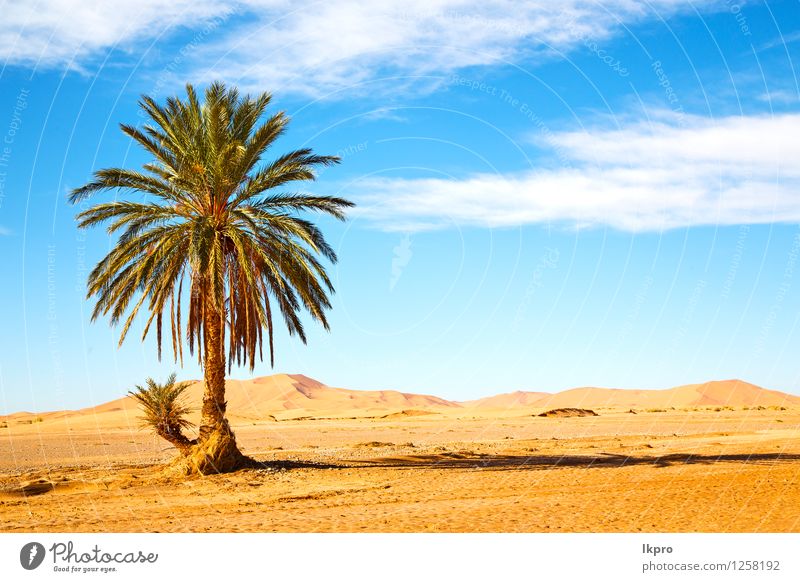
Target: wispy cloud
pixel 5 231
pixel 781 96
pixel 781 41
pixel 316 47
pixel 675 172
pixel 384 113
pixel 321 47
pixel 66 33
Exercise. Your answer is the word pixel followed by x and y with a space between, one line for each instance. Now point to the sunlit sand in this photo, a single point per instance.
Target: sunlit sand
pixel 720 457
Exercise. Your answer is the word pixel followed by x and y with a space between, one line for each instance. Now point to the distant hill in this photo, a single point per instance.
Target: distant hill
pixel 287 396
pixel 507 400
pixel 280 396
pixel 717 393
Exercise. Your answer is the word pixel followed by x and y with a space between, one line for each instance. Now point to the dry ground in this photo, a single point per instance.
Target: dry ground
pixel 676 470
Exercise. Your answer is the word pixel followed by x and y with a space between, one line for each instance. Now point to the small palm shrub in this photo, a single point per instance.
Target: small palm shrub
pixel 165 410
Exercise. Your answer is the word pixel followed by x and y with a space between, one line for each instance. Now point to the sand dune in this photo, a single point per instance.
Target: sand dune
pixel 509 400
pixel 735 393
pixel 719 393
pixel 294 396
pixel 276 397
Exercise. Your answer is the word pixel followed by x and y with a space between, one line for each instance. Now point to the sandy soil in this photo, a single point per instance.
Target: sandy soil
pixel 684 470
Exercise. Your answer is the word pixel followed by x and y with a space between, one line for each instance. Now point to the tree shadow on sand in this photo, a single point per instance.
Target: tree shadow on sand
pixel 604 460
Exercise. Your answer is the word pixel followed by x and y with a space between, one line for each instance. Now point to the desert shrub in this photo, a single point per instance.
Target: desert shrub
pixel 164 409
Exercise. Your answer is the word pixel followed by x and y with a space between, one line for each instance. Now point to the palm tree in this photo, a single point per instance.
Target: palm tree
pixel 212 217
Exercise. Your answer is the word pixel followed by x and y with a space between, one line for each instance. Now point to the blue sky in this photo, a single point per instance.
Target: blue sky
pixel 603 193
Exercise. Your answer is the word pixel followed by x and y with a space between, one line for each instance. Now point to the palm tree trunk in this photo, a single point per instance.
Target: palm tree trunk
pixel 216 450
pixel 213 412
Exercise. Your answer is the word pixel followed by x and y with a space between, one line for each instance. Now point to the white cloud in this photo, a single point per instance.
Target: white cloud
pixel 64 32
pixel 5 231
pixel 318 46
pixel 673 173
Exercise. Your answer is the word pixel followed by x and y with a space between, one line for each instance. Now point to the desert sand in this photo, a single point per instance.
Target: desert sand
pixel 714 457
